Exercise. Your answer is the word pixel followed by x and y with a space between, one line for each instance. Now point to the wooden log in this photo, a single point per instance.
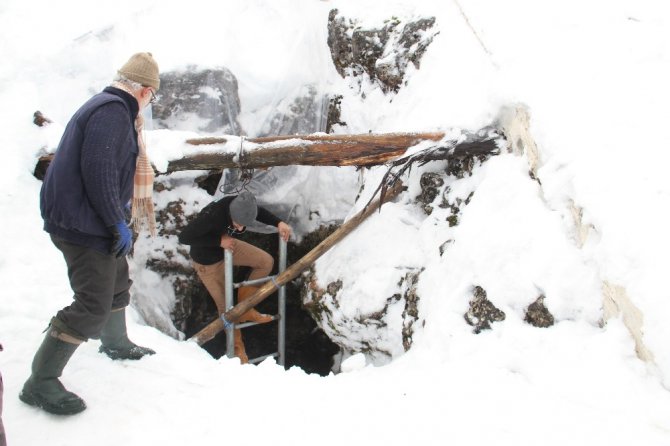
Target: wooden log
pixel 322 150
pixel 319 150
pixel 291 272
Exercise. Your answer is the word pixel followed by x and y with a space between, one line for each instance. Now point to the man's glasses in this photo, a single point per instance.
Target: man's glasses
pixel 154 98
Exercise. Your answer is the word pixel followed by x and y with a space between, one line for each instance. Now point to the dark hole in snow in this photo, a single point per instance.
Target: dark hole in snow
pixel 307 346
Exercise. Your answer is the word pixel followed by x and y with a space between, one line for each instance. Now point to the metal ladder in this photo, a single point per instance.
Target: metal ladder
pixel 280 354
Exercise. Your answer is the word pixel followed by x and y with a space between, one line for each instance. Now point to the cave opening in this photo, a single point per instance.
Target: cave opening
pixel 307 346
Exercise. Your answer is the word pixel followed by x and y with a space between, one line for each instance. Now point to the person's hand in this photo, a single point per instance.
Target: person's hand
pixel 284 231
pixel 123 239
pixel 227 242
pixel 128 211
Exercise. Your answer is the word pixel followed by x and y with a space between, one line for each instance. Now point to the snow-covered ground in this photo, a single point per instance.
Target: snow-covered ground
pixel 594 76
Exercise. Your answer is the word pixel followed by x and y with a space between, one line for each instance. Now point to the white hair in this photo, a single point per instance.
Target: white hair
pixel 134 86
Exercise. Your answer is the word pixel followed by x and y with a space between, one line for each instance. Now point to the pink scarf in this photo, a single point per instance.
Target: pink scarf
pixel 142 212
pixel 143 203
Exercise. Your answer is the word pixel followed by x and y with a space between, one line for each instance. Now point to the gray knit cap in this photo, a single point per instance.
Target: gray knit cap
pixel 243 208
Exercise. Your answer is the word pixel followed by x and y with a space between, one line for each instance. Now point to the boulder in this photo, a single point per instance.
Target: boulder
pixel 303 113
pixel 538 315
pixel 382 334
pixel 199 100
pixel 380 54
pixel 482 313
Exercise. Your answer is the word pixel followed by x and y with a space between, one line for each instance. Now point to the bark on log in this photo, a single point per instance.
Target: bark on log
pixel 318 150
pixel 322 150
pixel 291 272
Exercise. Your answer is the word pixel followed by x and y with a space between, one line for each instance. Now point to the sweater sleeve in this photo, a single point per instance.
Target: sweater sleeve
pixel 101 149
pixel 204 230
pixel 267 217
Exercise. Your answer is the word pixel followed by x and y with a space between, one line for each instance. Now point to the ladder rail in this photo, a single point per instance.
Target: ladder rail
pixel 228 289
pixel 281 316
pixel 281 329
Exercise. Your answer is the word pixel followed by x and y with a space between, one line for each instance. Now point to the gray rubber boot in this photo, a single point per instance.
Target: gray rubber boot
pixel 43 389
pixel 115 342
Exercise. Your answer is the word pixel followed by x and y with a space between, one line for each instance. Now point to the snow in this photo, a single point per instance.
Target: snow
pixel 594 76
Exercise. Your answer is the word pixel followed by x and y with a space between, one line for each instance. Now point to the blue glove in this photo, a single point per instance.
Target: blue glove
pixel 123 239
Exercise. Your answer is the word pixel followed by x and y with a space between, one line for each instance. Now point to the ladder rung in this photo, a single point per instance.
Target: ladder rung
pixel 253 282
pixel 263 358
pixel 251 324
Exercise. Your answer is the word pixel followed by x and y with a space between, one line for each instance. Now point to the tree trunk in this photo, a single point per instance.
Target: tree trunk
pixel 291 272
pixel 316 150
pixel 322 150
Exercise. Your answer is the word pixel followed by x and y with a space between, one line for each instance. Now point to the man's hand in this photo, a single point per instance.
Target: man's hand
pixel 228 242
pixel 123 239
pixel 284 231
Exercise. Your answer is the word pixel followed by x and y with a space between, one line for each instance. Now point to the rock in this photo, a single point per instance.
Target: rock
pixel 334 114
pixel 411 313
pixel 538 315
pixel 302 114
pixel 444 246
pixel 381 335
pixel 461 168
pixel 41 167
pixel 382 54
pixel 482 312
pixel 40 120
pixel 199 100
pixel 430 183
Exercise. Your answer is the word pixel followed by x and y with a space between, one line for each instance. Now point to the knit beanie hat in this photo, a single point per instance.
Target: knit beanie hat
pixel 142 68
pixel 243 208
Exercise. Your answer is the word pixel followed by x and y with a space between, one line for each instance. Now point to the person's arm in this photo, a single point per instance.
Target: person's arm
pixel 204 230
pixel 101 151
pixel 267 217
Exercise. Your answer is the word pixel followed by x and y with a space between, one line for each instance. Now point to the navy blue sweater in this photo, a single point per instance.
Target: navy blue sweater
pixel 205 231
pixel 90 179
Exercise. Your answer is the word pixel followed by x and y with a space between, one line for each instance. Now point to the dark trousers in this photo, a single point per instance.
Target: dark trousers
pixel 100 283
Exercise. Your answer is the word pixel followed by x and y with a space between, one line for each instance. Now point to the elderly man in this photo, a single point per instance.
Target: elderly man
pixel 100 164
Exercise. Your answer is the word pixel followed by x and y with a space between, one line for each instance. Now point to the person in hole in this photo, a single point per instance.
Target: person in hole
pixel 213 230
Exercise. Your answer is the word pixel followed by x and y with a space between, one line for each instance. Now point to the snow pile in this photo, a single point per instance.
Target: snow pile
pixel 596 100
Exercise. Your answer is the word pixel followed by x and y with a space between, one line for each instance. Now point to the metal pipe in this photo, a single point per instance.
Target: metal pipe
pixel 251 324
pixel 228 285
pixel 254 281
pixel 262 358
pixel 281 342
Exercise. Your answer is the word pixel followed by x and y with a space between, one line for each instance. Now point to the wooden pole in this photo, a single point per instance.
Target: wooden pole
pixel 321 150
pixel 316 150
pixel 308 150
pixel 290 273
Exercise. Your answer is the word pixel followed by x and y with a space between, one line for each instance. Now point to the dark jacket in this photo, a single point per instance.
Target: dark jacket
pixel 90 180
pixel 205 231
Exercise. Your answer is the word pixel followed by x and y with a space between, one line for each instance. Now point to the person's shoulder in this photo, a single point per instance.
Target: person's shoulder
pixel 117 100
pixel 114 113
pixel 114 106
pixel 213 208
